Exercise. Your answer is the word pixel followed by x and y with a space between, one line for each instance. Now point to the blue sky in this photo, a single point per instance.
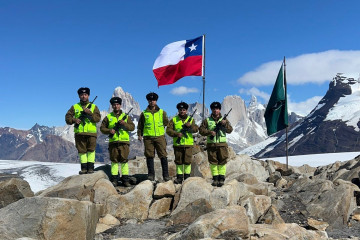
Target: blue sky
pixel 48 49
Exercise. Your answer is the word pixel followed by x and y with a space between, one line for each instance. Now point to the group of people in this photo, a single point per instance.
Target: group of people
pixel 151 131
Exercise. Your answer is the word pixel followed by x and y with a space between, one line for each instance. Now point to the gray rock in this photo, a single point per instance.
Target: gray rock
pixel 12 190
pixel 48 218
pixel 80 187
pixel 134 204
pixel 191 212
pixel 222 223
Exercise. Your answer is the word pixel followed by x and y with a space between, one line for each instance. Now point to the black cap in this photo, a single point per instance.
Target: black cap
pixel 182 105
pixel 215 105
pixel 83 90
pixel 116 100
pixel 152 96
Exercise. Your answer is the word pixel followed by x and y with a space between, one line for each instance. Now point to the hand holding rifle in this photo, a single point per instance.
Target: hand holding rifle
pixel 119 125
pixel 185 128
pixel 85 114
pixel 219 126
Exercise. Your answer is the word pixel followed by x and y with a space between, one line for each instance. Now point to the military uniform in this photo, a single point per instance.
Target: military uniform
pixel 151 127
pixel 85 132
pixel 182 147
pixel 216 147
pixel 119 142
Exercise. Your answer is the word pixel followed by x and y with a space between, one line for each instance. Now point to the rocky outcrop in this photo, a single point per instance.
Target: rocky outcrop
pixel 222 223
pixel 134 204
pixel 13 190
pixel 48 218
pixel 253 204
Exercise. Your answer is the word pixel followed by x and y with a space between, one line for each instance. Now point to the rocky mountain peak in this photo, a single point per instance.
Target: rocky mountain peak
pixel 238 112
pixel 199 109
pixel 128 102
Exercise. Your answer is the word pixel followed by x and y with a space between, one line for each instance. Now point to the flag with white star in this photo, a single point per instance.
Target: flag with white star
pixel 179 59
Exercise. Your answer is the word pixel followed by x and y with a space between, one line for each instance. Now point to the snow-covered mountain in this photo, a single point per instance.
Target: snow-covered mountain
pixel 332 126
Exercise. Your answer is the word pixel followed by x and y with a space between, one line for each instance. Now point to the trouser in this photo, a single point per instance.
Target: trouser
pixel 183 155
pixel 155 143
pixel 86 148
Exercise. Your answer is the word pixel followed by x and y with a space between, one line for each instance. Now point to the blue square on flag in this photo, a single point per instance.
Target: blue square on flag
pixel 193 47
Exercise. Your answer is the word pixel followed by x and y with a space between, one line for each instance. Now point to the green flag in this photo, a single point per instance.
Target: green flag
pixel 276 114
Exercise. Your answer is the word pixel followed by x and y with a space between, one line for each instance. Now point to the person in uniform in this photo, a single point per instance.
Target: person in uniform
pixel 84 115
pixel 117 125
pixel 181 128
pixel 151 130
pixel 217 147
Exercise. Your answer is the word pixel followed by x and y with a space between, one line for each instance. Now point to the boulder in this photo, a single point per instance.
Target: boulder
pixel 247 178
pixel 166 189
pixel 103 189
pixel 256 206
pixel 284 232
pixel 12 190
pixel 134 204
pixel 191 212
pixel 229 223
pixel 160 208
pixel 200 166
pixel 106 223
pixel 331 202
pixel 193 189
pixel 48 218
pixel 244 164
pixel 317 225
pixel 272 216
pixel 80 187
pixel 226 195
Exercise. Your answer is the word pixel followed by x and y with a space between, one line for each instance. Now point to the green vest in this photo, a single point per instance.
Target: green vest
pixel 89 126
pixel 153 125
pixel 220 137
pixel 189 140
pixel 122 135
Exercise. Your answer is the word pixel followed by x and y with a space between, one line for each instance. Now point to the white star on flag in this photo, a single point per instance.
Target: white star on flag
pixel 192 47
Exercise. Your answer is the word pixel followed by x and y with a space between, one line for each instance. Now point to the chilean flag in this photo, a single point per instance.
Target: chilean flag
pixel 179 59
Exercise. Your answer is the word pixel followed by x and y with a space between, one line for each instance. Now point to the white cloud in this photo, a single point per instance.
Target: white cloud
pixel 256 92
pixel 183 90
pixel 305 107
pixel 307 68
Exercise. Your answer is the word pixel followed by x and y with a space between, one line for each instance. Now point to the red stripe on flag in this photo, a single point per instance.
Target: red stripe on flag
pixel 190 66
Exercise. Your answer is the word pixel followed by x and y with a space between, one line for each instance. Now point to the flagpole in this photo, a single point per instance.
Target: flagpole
pixel 203 77
pixel 287 142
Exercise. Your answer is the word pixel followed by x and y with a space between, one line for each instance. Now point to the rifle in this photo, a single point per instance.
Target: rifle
pixel 219 125
pixel 84 115
pixel 185 129
pixel 118 126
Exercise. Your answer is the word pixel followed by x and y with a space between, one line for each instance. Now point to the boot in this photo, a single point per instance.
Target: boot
pixel 125 180
pixel 114 180
pixel 215 181
pixel 186 176
pixel 221 180
pixel 165 169
pixel 179 179
pixel 84 169
pixel 90 167
pixel 151 170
